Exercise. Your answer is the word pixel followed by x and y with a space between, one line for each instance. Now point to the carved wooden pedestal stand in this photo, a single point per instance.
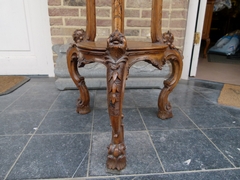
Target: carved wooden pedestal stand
pixel 118 56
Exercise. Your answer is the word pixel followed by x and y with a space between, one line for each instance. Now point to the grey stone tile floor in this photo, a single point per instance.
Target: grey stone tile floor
pixel 42 136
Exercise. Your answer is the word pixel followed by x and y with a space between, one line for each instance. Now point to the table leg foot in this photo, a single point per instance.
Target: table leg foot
pixel 82 109
pixel 165 114
pixel 116 158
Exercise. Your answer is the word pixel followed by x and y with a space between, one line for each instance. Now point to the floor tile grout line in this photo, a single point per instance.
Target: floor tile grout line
pixel 91 135
pixel 185 172
pixel 210 140
pixel 150 174
pixel 159 159
pixel 214 104
pixel 220 107
pixel 16 99
pixel 204 96
pixel 211 83
pixel 147 131
pixel 9 171
pixel 67 133
pixel 197 128
pixel 137 131
pixel 235 127
pixel 193 88
pixel 135 103
pixel 175 129
pixel 80 163
pixel 46 113
pixel 198 106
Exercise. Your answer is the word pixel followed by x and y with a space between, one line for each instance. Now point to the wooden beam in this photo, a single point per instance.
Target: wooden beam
pixel 91 20
pixel 156 21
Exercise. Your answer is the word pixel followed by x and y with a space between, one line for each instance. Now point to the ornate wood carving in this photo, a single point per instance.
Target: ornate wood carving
pixel 168 39
pixel 116 156
pixel 173 55
pixel 118 15
pixel 83 100
pixel 118 57
pixel 79 35
pixel 116 62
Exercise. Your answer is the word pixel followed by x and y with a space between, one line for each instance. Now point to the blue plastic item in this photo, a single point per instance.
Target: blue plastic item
pixel 227 45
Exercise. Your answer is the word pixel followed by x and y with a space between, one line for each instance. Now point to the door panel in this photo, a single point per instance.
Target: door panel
pixel 25 41
pixel 13 26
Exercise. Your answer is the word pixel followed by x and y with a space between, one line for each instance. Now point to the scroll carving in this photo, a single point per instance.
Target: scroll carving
pixel 173 55
pixel 83 100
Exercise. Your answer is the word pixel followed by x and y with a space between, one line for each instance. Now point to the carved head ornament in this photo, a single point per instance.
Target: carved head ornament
pixel 168 39
pixel 116 45
pixel 78 35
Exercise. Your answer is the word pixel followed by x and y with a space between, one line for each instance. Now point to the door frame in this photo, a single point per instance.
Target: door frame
pixel 195 20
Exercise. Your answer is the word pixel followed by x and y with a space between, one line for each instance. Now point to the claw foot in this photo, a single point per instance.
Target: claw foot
pixel 116 156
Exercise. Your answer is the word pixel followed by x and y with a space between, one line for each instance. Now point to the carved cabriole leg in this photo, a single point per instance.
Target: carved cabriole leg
pixel 172 55
pixel 165 109
pixel 72 61
pixel 117 71
pixel 115 88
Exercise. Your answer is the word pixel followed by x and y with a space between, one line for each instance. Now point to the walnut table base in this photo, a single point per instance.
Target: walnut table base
pixel 118 55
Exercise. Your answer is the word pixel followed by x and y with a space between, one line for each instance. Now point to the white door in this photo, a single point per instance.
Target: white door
pixel 195 20
pixel 199 28
pixel 25 41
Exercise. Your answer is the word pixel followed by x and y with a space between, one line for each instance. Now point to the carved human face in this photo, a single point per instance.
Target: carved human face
pixel 117 45
pixel 168 38
pixel 78 35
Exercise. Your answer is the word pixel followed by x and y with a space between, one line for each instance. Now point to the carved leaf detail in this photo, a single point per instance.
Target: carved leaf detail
pixel 113 99
pixel 115 75
pixel 114 88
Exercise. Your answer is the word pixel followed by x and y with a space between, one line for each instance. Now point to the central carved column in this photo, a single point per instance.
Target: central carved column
pixel 118 15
